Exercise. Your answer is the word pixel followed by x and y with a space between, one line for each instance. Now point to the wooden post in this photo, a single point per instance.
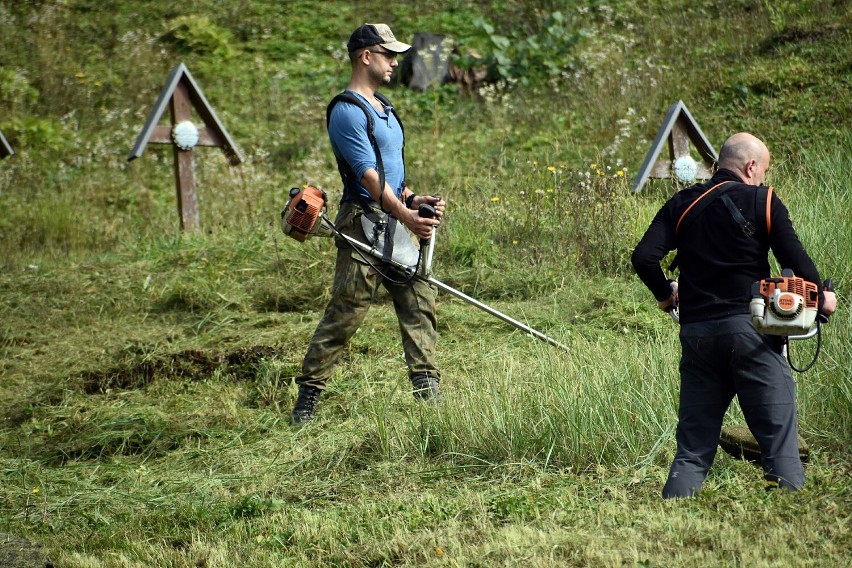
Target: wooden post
pixel 678 139
pixel 187 198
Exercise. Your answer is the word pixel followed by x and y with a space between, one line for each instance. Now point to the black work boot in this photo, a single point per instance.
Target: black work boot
pixel 306 404
pixel 426 388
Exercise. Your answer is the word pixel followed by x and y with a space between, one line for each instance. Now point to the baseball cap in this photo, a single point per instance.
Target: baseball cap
pixel 375 34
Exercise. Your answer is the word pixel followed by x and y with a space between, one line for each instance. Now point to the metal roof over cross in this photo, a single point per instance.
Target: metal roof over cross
pixel 678 130
pixel 5 147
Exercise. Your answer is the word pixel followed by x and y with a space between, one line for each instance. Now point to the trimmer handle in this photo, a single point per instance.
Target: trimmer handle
pixel 827 286
pixel 672 310
pixel 426 210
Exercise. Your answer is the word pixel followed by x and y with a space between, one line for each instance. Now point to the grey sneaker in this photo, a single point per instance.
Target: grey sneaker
pixel 306 404
pixel 426 388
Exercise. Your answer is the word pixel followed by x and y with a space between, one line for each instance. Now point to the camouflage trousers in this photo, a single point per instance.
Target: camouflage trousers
pixel 353 291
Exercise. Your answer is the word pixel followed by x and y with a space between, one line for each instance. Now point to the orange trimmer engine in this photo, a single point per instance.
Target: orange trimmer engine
pixel 786 305
pixel 301 217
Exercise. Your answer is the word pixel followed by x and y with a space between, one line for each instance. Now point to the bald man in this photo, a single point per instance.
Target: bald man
pixel 723 242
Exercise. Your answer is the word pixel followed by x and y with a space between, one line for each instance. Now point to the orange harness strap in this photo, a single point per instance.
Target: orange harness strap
pixel 706 193
pixel 768 204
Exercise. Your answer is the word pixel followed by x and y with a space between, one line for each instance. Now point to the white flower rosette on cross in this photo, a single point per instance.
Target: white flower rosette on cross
pixel 685 169
pixel 185 135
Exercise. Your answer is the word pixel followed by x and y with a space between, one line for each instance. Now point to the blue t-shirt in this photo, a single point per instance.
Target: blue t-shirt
pixel 347 131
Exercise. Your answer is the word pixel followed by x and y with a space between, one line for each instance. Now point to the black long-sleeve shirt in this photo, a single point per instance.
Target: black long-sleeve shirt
pixel 718 262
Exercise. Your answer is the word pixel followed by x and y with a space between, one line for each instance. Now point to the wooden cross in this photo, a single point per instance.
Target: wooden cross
pixel 181 94
pixel 678 129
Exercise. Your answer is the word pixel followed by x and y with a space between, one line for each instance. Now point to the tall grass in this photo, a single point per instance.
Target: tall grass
pixel 612 398
pixel 575 411
pixel 73 135
pixel 818 197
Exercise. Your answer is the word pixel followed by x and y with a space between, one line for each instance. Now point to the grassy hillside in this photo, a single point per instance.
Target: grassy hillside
pixel 147 374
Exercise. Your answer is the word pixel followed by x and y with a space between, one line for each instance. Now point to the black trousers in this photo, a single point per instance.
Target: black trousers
pixel 720 359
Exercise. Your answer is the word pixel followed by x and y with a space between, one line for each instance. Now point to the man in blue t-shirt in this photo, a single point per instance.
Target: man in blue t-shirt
pixel 372 181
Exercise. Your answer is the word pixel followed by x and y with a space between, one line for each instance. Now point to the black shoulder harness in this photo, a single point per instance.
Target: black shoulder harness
pixel 346 173
pixel 763 201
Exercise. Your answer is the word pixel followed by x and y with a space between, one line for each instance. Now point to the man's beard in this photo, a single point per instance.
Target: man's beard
pixel 382 78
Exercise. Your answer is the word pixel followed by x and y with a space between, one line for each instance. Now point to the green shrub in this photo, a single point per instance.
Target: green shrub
pixel 16 92
pixel 527 59
pixel 197 34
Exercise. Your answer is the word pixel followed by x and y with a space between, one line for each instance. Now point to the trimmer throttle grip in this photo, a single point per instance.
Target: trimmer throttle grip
pixel 827 286
pixel 672 311
pixel 426 210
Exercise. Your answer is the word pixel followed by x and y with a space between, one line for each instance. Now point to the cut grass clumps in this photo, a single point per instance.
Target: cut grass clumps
pixel 137 366
pixel 102 431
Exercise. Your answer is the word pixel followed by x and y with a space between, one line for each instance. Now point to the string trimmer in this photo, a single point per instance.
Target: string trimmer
pixel 304 216
pixel 786 306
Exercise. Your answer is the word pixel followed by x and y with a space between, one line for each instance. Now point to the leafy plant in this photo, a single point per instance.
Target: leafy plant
pixel 197 34
pixel 36 132
pixel 527 59
pixel 15 89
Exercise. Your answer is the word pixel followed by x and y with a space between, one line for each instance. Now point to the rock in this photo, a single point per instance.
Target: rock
pixel 16 552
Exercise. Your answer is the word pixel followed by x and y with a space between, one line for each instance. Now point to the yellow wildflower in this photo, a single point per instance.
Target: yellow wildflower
pixel 35 489
pixel 551 169
pixel 495 200
pixel 620 173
